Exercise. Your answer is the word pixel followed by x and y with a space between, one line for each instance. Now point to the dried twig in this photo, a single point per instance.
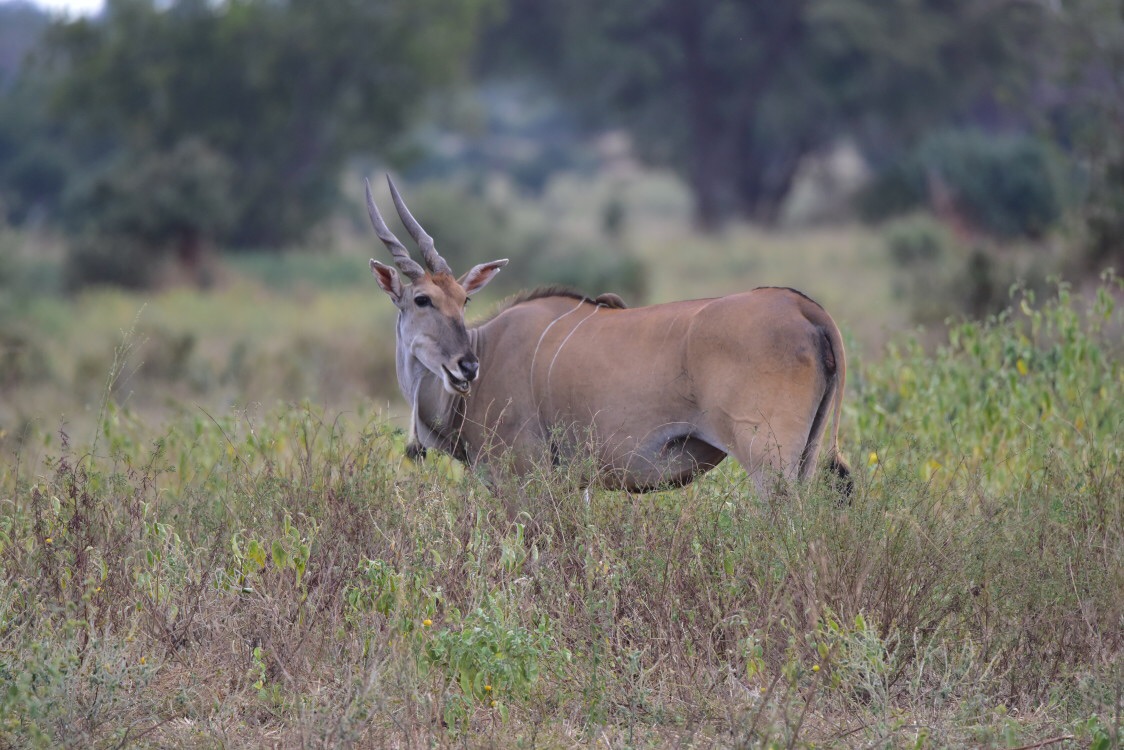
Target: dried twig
pixel 1044 743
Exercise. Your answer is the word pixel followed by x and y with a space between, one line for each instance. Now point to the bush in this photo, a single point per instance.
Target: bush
pixel 1104 217
pixel 929 263
pixel 917 243
pixel 468 228
pixel 117 260
pixel 148 207
pixel 27 270
pixel 593 271
pixel 942 278
pixel 22 359
pixel 1006 186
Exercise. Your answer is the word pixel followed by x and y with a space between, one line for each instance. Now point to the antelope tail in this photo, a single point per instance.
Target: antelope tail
pixel 834 365
pixel 838 466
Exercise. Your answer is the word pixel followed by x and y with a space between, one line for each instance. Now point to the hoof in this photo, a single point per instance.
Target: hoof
pixel 415 451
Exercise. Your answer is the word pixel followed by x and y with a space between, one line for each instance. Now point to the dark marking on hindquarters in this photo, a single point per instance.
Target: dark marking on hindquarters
pixel 823 411
pixel 827 353
pixel 794 291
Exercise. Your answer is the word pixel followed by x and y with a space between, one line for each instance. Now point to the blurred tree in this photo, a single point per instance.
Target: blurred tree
pixel 32 164
pixel 1088 109
pixel 279 91
pixel 33 161
pixel 168 202
pixel 734 94
pixel 21 26
pixel 1002 185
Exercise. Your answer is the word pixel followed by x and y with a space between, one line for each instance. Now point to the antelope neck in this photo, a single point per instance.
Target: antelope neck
pixel 436 416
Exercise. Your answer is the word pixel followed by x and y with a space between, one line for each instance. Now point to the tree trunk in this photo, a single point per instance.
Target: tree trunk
pixel 761 174
pixel 705 177
pixel 705 130
pixel 190 249
pixel 765 180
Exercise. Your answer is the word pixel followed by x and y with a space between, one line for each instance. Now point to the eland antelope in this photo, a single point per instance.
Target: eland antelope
pixel 656 395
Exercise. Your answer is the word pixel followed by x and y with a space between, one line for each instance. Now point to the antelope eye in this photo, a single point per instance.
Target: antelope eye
pixel 422 301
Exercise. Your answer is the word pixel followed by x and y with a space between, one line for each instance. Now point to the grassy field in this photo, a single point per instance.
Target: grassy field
pixel 210 536
pixel 314 327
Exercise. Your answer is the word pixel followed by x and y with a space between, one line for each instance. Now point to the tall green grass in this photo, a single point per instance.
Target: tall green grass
pixel 286 577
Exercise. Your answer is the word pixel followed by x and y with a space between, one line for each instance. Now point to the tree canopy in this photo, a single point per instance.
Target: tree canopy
pixel 278 92
pixel 169 125
pixel 734 94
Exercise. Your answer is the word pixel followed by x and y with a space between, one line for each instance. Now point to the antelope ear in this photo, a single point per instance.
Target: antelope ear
pixel 480 275
pixel 387 279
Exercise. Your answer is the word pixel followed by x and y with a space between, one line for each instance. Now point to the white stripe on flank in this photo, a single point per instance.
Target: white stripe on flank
pixel 550 369
pixel 543 336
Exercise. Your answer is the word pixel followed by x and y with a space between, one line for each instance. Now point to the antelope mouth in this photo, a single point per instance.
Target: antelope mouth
pixel 454 383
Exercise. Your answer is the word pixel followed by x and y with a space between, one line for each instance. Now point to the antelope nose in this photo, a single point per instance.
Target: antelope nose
pixel 469 365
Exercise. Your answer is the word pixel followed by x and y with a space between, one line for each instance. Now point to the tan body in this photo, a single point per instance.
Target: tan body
pixel 659 394
pixel 654 395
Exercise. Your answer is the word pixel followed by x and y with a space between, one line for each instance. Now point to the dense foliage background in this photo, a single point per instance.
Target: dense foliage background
pixel 157 128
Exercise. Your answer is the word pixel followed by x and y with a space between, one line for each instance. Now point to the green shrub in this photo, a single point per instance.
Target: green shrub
pixel 470 229
pixel 1009 186
pixel 289 271
pixel 593 271
pixel 918 244
pixel 929 267
pixel 942 278
pixel 1104 217
pixel 26 270
pixel 489 658
pixel 1006 392
pixel 148 207
pixel 899 189
pixel 1006 186
pixel 23 358
pixel 165 354
pixel 117 260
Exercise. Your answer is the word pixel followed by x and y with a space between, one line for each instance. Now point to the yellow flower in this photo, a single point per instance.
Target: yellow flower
pixel 143 660
pixel 427 623
pixel 872 459
pixel 48 540
pixel 487 688
pixel 815 667
pixel 97 590
pixel 1020 365
pixel 493 704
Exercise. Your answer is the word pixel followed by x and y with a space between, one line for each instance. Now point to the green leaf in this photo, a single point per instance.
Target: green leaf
pixel 280 556
pixel 255 553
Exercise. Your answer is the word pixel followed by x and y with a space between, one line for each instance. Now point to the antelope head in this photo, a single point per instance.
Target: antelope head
pixel 430 302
